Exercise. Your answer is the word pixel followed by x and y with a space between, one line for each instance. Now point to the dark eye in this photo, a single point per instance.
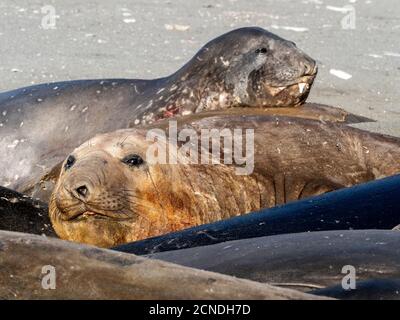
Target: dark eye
pixel 70 162
pixel 261 50
pixel 133 160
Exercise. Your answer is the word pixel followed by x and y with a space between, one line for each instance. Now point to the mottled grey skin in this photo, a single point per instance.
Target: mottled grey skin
pixel 304 261
pixel 40 125
pixel 85 272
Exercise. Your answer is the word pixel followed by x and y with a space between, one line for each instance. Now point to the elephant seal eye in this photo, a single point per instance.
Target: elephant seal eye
pixel 261 50
pixel 70 162
pixel 133 160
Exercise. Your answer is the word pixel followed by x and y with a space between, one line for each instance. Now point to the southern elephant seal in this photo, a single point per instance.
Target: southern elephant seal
pixel 109 191
pixel 304 261
pixel 247 67
pixel 372 205
pixel 85 272
pixel 21 213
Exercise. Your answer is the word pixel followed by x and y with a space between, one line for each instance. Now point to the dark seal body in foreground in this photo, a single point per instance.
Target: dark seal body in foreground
pixel 22 214
pixel 372 205
pixel 303 260
pixel 85 272
pixel 248 67
pixel 374 289
pixel 111 190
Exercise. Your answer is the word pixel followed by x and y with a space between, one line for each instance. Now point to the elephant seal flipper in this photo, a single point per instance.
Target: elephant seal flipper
pixel 310 111
pixel 85 272
pixel 98 190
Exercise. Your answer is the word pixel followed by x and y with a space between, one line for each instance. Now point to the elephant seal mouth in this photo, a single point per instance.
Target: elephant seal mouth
pixel 300 88
pixel 84 212
pixel 87 215
pixel 95 215
pixel 278 92
pixel 292 94
pixel 303 84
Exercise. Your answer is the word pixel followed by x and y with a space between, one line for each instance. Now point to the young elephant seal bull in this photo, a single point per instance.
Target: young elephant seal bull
pixel 111 190
pixel 248 67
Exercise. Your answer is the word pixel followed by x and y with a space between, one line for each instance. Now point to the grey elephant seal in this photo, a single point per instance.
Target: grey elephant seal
pixel 109 192
pixel 85 272
pixel 20 213
pixel 305 261
pixel 248 67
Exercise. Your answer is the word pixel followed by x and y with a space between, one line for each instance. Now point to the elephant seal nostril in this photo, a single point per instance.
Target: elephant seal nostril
pixel 310 68
pixel 315 69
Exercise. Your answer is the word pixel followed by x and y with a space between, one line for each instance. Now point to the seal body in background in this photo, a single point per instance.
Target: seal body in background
pixel 248 67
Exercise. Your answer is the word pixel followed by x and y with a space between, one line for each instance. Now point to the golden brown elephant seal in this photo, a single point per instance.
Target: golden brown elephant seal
pixel 109 192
